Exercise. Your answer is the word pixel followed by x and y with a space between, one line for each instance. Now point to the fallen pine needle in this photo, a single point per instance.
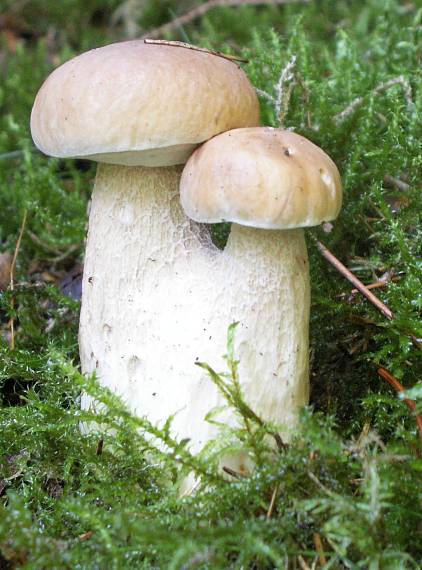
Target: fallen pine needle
pixel 195 48
pixel 85 536
pixel 232 472
pixel 384 86
pixel 272 502
pixel 319 548
pixel 392 380
pixel 354 280
pixel 375 285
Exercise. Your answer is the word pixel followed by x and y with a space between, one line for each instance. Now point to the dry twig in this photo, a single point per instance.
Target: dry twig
pixel 12 279
pixel 382 282
pixel 85 536
pixel 272 502
pixel 283 90
pixel 319 548
pixel 232 472
pixel 376 285
pixel 202 9
pixel 392 380
pixel 283 95
pixel 384 86
pixel 354 280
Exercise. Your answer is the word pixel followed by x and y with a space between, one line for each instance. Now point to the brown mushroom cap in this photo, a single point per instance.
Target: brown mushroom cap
pixel 137 103
pixel 261 177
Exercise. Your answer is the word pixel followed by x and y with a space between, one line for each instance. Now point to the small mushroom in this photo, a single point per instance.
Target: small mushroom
pixel 270 183
pixel 140 110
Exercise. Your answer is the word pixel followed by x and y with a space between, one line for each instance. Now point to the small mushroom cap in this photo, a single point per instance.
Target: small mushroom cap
pixel 140 104
pixel 261 177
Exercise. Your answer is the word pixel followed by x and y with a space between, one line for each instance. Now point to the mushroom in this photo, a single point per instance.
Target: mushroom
pixel 270 184
pixel 140 109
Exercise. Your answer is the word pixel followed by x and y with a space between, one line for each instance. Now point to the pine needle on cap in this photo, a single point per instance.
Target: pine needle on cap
pixel 195 48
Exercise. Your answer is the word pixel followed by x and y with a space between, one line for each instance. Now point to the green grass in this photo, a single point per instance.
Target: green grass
pixel 352 476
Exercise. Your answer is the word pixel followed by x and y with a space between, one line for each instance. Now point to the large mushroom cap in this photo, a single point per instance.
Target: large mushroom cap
pixel 140 104
pixel 261 177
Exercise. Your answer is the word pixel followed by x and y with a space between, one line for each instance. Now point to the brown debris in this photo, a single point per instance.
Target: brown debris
pixel 5 269
pixel 392 380
pixel 85 536
pixel 354 280
pixel 272 502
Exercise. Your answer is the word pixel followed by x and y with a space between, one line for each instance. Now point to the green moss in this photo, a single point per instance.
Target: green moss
pixel 352 477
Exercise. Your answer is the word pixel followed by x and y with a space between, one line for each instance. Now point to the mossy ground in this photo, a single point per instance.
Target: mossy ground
pixel 347 492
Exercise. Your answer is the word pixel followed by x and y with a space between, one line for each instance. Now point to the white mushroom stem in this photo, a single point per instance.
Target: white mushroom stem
pixel 158 296
pixel 267 281
pixel 143 291
pixel 261 281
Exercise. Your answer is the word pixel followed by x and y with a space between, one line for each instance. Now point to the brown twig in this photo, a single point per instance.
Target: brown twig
pixel 282 91
pixel 195 48
pixel 85 536
pixel 319 548
pixel 12 279
pixel 384 373
pixel 354 280
pixel 100 446
pixel 281 446
pixel 272 502
pixel 202 9
pixel 232 472
pixel 376 285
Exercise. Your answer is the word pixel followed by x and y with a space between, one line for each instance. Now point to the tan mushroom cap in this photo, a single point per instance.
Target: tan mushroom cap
pixel 261 177
pixel 136 103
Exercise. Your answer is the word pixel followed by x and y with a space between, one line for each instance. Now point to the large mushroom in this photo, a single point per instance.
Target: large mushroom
pixel 270 184
pixel 140 110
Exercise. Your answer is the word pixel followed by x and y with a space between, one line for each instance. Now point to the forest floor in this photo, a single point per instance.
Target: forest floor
pixel 346 493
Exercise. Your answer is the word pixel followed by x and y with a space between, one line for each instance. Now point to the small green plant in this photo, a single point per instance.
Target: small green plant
pixel 108 495
pixel 252 438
